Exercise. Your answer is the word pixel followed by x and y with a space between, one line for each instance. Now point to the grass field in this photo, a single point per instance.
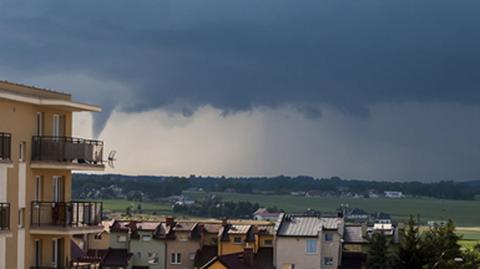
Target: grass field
pixel 464 213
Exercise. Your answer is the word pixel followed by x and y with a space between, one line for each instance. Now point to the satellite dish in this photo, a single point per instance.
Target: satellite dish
pixel 111 158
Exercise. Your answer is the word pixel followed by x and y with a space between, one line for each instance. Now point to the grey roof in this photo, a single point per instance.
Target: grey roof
pixel 239 229
pixel 353 234
pixel 308 226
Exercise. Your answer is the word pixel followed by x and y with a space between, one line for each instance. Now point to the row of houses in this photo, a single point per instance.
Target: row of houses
pixel 292 241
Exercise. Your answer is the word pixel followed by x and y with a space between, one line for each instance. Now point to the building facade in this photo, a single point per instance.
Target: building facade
pixel 308 242
pixel 37 155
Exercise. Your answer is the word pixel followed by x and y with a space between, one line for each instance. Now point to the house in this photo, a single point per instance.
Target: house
pixel 357 215
pixel 183 244
pixel 393 194
pixel 355 244
pixel 209 243
pixel 244 245
pixel 38 219
pixel 264 214
pixel 234 238
pixel 308 242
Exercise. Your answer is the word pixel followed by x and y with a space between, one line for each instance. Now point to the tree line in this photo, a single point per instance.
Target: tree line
pixel 157 187
pixel 438 247
pixel 214 207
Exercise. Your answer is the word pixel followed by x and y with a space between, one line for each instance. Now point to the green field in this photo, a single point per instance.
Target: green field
pixel 464 213
pixel 119 206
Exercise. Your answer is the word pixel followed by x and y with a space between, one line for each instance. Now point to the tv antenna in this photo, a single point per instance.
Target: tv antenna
pixel 111 158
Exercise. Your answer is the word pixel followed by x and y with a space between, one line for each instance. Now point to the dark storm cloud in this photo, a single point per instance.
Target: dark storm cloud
pixel 235 55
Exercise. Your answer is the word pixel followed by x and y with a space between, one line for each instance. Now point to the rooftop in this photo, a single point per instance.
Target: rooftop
pixel 41 97
pixel 308 226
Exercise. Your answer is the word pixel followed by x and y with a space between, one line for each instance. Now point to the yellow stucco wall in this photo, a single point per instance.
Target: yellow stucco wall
pixel 19 119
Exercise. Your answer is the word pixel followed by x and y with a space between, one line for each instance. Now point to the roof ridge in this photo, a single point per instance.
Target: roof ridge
pixel 35 87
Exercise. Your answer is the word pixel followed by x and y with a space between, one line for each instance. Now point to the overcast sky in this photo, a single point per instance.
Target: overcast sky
pixel 373 89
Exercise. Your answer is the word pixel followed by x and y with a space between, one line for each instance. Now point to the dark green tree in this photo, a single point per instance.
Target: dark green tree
pixel 378 255
pixel 410 252
pixel 441 247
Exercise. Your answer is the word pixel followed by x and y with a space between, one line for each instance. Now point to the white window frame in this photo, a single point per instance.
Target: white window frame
pixel 176 258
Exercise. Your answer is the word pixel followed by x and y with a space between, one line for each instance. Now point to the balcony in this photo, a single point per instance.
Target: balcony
pixel 5 147
pixel 66 218
pixel 49 152
pixel 4 218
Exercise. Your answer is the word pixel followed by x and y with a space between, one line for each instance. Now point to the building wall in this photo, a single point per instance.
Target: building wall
pixel 292 250
pixel 116 244
pixel 98 243
pixel 229 247
pixel 187 248
pixel 141 248
pixel 19 119
pixel 331 249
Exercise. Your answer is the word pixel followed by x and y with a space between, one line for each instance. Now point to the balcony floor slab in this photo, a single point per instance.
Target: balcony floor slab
pixel 61 230
pixel 66 166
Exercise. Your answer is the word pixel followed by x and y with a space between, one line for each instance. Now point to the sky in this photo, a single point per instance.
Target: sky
pixel 358 89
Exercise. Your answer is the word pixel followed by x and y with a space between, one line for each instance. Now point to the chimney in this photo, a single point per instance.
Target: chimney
pixel 169 221
pixel 248 256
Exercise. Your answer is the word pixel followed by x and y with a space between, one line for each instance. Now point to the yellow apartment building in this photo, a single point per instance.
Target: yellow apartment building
pixel 38 218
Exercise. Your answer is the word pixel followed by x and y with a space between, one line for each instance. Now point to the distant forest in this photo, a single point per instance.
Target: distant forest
pixel 156 188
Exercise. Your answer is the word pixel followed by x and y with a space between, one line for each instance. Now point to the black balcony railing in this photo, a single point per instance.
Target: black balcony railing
pixel 67 149
pixel 5 146
pixel 66 214
pixel 63 267
pixel 4 217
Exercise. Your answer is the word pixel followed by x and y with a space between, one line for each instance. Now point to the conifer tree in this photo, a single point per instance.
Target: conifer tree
pixel 378 255
pixel 410 252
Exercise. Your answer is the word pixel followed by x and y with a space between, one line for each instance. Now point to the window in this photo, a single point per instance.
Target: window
pixel 146 237
pixel 191 256
pixel 38 188
pixel 139 255
pixel 38 253
pixel 21 217
pixel 39 123
pixel 311 246
pixel 328 237
pixel 268 242
pixel 153 258
pixel 121 238
pixel 176 258
pixel 21 152
pixel 55 252
pixel 58 188
pixel 58 127
pixel 237 240
pixel 328 261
